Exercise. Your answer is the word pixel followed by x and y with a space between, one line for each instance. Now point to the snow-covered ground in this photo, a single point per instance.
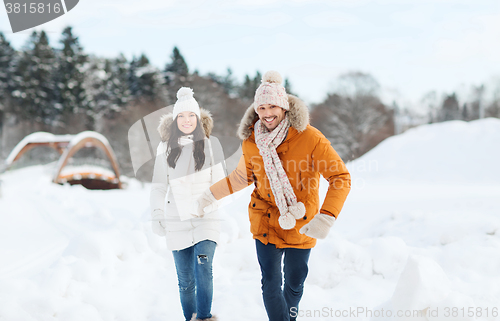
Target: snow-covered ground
pixel 420 231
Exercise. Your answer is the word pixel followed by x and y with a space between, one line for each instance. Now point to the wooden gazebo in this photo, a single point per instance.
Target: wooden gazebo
pixel 92 177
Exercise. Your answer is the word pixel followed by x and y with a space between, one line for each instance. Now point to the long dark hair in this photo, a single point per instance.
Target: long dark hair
pixel 174 149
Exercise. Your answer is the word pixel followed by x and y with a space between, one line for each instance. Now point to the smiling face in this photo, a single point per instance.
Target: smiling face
pixel 187 122
pixel 270 115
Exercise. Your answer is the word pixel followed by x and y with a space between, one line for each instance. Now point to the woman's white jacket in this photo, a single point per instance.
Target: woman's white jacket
pixel 175 191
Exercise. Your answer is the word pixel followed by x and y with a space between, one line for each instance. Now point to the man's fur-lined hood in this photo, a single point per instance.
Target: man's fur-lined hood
pixel 298 116
pixel 167 120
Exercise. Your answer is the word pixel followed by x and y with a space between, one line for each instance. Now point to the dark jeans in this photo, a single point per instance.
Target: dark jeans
pixel 194 272
pixel 280 303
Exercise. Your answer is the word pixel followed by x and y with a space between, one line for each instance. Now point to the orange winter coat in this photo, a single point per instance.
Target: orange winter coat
pixel 305 154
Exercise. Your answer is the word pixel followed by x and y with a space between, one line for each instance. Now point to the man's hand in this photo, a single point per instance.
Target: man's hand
pixel 319 226
pixel 206 203
pixel 158 223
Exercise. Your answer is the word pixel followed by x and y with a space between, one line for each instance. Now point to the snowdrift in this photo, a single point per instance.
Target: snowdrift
pixel 449 152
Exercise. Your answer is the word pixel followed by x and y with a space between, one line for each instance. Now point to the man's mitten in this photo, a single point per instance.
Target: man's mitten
pixel 319 226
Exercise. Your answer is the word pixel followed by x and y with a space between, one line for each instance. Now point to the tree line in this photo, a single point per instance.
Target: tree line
pixel 474 105
pixel 64 90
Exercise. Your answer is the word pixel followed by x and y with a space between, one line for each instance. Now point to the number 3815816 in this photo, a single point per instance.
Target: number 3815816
pixel 473 312
pixel 33 8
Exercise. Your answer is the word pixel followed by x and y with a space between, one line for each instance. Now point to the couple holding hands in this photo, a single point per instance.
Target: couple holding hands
pixel 284 156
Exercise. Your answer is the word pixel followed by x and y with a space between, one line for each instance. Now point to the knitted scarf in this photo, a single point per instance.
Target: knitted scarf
pixel 267 142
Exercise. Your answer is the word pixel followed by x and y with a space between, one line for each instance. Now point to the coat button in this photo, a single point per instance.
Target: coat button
pixel 305 217
pixel 268 215
pixel 253 205
pixel 168 202
pixel 264 235
pixel 268 195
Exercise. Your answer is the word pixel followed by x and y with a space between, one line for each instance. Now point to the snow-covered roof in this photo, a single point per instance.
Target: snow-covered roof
pixel 78 138
pixel 38 137
pixel 71 149
pixel 86 134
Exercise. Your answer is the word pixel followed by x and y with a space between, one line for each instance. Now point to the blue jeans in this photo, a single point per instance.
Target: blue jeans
pixel 194 273
pixel 281 305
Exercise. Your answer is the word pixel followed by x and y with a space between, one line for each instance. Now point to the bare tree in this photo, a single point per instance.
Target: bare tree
pixel 450 108
pixel 430 102
pixel 479 102
pixel 475 106
pixel 353 116
pixel 493 108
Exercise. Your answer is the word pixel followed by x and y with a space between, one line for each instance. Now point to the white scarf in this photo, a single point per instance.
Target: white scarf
pixel 186 139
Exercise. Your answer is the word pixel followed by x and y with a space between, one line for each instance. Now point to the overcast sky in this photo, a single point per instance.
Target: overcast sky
pixel 409 46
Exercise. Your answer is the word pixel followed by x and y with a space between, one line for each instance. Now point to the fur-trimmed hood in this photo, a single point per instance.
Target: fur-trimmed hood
pixel 298 116
pixel 167 120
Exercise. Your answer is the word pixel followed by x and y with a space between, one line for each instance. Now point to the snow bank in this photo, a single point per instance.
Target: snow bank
pixel 449 152
pixel 422 284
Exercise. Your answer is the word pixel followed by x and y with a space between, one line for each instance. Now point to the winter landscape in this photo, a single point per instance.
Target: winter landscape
pixel 419 236
pixel 407 92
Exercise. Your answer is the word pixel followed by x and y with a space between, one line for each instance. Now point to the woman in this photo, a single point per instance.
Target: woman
pixel 188 162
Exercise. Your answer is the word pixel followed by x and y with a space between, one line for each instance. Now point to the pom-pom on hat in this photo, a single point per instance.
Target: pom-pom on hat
pixel 185 102
pixel 271 91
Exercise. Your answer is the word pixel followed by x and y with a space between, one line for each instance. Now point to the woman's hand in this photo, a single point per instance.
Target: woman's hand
pixel 206 203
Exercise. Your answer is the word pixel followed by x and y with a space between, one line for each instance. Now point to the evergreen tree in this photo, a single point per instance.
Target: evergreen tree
pixel 117 82
pixel 133 80
pixel 228 82
pixel 22 94
pixel 288 86
pixel 465 112
pixel 256 82
pixel 143 79
pixel 95 85
pixel 107 85
pixel 245 90
pixel 34 92
pixel 177 68
pixel 249 86
pixel 71 95
pixel 7 62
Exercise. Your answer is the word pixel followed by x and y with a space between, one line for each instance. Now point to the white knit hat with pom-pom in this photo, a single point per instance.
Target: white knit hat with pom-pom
pixel 185 102
pixel 271 91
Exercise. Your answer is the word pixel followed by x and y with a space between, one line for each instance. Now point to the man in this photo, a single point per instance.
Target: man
pixel 283 156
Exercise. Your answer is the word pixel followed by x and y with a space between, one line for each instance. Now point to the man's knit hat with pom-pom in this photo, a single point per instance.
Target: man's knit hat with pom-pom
pixel 271 91
pixel 185 102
